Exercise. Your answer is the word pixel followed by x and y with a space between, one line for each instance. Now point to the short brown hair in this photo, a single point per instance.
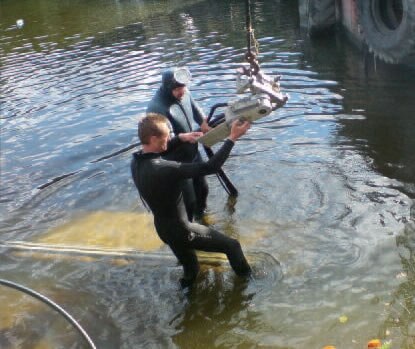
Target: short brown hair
pixel 149 125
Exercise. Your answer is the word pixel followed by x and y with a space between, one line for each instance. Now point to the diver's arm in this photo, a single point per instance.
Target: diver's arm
pixel 204 127
pixel 176 141
pixel 172 144
pixel 177 170
pixel 173 170
pixel 199 116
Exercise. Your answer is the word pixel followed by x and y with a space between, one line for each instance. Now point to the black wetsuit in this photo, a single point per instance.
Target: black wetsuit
pixel 158 182
pixel 184 115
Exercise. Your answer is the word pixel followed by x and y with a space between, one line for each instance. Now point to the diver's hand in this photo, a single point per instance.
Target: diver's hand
pixel 190 137
pixel 205 127
pixel 238 129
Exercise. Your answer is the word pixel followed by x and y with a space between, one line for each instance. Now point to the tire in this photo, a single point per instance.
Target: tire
pixel 388 29
pixel 321 15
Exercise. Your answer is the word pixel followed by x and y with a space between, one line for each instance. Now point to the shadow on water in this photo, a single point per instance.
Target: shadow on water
pixel 216 313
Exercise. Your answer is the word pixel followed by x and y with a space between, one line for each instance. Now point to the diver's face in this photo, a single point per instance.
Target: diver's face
pixel 178 92
pixel 161 141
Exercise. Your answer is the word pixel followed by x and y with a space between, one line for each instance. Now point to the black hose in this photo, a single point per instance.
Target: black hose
pixel 213 108
pixel 223 178
pixel 53 305
pixel 217 120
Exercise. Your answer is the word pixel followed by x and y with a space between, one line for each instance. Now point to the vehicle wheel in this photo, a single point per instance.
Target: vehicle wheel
pixel 320 15
pixel 388 28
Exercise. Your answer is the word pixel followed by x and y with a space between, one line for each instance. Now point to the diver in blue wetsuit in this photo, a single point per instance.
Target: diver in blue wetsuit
pixel 159 184
pixel 174 101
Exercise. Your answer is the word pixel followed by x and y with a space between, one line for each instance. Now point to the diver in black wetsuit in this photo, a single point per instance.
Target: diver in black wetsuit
pixel 174 101
pixel 158 182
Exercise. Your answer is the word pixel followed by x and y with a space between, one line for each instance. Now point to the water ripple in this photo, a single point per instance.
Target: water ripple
pixel 310 190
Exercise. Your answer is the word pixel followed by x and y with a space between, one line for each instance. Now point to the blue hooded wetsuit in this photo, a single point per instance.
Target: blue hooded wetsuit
pixel 185 116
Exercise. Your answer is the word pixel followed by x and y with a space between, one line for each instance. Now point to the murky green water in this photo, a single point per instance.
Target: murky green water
pixel 326 184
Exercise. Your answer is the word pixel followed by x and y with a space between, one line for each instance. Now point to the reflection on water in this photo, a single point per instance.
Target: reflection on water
pixel 383 94
pixel 213 311
pixel 326 183
pixel 138 292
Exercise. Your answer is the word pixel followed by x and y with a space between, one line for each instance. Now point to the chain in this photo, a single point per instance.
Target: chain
pixel 251 56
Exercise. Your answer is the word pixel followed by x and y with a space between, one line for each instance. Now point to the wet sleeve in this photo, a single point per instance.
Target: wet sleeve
pixel 178 170
pixel 173 144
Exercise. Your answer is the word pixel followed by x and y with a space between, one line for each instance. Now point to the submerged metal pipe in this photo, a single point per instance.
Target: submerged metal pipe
pixel 53 305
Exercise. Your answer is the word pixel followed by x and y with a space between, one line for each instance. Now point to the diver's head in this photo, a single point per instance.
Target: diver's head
pixel 176 81
pixel 154 132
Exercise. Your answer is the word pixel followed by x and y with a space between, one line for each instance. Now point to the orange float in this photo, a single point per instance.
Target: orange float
pixel 374 343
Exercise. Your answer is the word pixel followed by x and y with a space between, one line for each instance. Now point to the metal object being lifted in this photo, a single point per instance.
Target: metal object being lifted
pixel 261 83
pixel 265 96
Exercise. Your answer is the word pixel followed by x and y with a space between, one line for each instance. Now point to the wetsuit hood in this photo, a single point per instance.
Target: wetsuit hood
pixel 184 114
pixel 168 83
